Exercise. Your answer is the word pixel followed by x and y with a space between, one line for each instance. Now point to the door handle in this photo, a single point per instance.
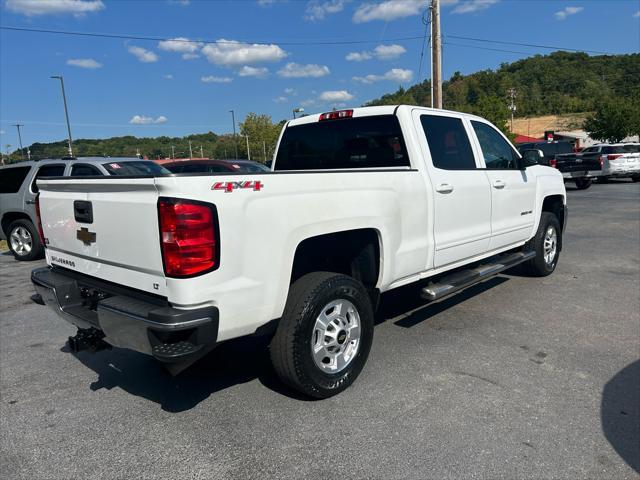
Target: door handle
pixel 30 202
pixel 444 188
pixel 499 184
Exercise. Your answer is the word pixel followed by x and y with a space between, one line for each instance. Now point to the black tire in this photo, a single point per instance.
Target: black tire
pixel 37 249
pixel 583 183
pixel 636 178
pixel 291 347
pixel 538 266
pixel 603 179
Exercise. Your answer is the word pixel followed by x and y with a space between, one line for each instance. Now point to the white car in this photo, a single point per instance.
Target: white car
pixel 359 202
pixel 618 160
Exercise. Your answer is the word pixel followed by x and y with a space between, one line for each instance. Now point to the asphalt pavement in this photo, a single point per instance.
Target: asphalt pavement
pixel 514 378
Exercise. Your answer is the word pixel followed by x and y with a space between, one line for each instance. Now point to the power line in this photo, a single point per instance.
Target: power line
pixel 287 43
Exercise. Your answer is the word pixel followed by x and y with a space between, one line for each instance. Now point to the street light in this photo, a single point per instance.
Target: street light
pixel 66 112
pixel 235 140
pixel 297 110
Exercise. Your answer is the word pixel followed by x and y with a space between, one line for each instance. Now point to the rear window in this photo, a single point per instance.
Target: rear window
pixel 134 167
pixel 11 178
pixel 621 149
pixel 365 142
pixel 47 171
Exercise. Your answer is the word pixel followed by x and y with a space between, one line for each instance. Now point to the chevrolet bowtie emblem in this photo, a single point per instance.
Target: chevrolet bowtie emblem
pixel 86 236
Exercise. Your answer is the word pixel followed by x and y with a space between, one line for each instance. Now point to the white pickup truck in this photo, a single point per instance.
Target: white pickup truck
pixel 359 202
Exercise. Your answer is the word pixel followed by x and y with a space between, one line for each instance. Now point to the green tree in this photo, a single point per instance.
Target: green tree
pixel 495 110
pixel 263 136
pixel 613 120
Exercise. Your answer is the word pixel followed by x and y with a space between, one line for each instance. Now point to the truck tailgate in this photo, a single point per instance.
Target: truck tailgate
pixel 104 227
pixel 576 162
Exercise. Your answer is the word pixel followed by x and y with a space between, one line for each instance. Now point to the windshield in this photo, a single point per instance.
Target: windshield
pixel 135 167
pixel 251 167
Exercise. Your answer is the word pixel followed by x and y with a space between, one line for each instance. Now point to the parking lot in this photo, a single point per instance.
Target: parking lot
pixel 516 377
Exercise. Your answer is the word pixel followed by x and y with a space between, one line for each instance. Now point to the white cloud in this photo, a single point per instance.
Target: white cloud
pixel 317 10
pixel 143 55
pixel 230 53
pixel 54 7
pixel 358 56
pixel 470 6
pixel 214 79
pixel 182 3
pixel 145 120
pixel 394 75
pixel 281 99
pixel 84 63
pixel 168 76
pixel 295 70
pixel 290 91
pixel 332 96
pixel 567 11
pixel 389 52
pixel 257 72
pixel 180 45
pixel 637 14
pixel 381 52
pixel 266 3
pixel 190 56
pixel 309 102
pixel 388 10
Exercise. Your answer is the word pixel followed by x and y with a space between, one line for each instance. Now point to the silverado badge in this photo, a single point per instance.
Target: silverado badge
pixel 86 236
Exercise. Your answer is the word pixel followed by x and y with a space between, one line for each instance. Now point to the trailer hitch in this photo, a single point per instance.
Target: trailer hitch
pixel 88 339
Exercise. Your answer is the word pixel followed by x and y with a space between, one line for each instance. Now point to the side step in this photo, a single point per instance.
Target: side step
pixel 460 279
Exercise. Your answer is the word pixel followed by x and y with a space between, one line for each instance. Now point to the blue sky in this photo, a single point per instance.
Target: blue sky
pixel 148 88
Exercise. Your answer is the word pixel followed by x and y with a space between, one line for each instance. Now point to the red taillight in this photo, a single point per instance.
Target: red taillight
pixel 40 231
pixel 553 163
pixel 614 156
pixel 336 115
pixel 188 237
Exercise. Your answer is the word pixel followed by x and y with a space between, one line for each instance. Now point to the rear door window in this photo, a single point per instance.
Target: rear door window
pixel 448 143
pixel 361 142
pixel 11 178
pixel 56 170
pixel 84 170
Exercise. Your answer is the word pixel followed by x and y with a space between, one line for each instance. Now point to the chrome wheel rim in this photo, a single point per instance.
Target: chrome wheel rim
pixel 21 241
pixel 550 245
pixel 336 336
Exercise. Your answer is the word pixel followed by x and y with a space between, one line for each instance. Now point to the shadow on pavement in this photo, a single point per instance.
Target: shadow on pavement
pixel 237 361
pixel 620 414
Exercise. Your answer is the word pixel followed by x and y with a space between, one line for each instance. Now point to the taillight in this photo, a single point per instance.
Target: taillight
pixel 553 163
pixel 188 237
pixel 39 220
pixel 335 115
pixel 614 156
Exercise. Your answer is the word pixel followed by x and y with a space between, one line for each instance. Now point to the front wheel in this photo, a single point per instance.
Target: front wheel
pixel 583 183
pixel 546 244
pixel 325 334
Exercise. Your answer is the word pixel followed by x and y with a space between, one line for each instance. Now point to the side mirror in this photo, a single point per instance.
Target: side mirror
pixel 531 157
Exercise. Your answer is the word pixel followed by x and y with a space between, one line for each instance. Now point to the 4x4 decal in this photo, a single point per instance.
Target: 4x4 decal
pixel 229 187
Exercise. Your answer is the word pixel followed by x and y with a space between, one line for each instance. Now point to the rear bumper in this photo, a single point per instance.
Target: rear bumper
pixel 128 318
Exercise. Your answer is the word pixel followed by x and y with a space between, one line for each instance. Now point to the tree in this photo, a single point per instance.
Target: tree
pixel 263 135
pixel 493 109
pixel 614 120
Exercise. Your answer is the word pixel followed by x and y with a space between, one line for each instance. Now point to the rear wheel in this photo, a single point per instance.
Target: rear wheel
pixel 24 241
pixel 546 243
pixel 603 179
pixel 325 334
pixel 583 183
pixel 635 178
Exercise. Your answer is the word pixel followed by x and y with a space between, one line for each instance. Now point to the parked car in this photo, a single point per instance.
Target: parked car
pixel 360 202
pixel 618 160
pixel 577 167
pixel 18 190
pixel 216 166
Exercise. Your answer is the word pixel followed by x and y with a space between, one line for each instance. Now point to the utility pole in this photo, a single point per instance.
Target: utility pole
pixel 18 125
pixel 201 152
pixel 190 151
pixel 264 150
pixel 66 112
pixel 235 140
pixel 512 104
pixel 248 151
pixel 436 45
pixel 173 151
